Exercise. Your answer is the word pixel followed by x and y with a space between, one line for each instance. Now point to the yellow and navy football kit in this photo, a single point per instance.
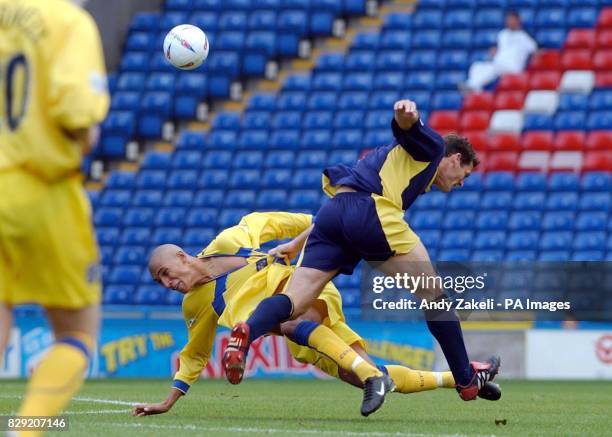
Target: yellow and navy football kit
pixel 52 80
pixel 369 223
pixel 232 297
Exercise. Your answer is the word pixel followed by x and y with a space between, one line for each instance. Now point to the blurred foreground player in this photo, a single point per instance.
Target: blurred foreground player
pixel 53 94
pixel 230 276
pixel 365 220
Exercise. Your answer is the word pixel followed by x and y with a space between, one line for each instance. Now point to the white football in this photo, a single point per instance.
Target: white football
pixel 186 46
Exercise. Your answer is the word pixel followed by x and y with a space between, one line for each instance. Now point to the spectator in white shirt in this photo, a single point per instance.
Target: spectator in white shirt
pixel 514 46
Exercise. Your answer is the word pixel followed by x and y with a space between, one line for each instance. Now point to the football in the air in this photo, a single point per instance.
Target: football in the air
pixel 186 46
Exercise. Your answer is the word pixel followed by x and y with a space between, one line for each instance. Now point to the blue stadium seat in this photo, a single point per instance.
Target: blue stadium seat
pixel 125 101
pixel 119 122
pixel 327 81
pixel 434 200
pixel 376 138
pixel 285 139
pixel 262 102
pixel 377 119
pixel 262 20
pixel 499 180
pixel 311 159
pixel 454 255
pixel 248 160
pixel 550 38
pixel 271 199
pixel 191 140
pixel 131 81
pixel 322 100
pixel 119 294
pixel 582 17
pixel 286 119
pixel 276 178
pixel 182 179
pixel 531 181
pixel 316 139
pixel 427 19
pixel 463 199
pixel 420 81
pixel 321 23
pixel 208 198
pixel 327 62
pixel 253 139
pixel 291 100
pixel 446 100
pixel 222 139
pixel 305 199
pixel 529 201
pixel 247 179
pixel 448 80
pixel 593 240
pixel 591 221
pixel 346 157
pixel 293 21
pixel 570 120
pixel 172 19
pixel 151 179
pixel 457 239
pixel 199 236
pixel 107 216
pixel 349 119
pixel 573 101
pixel 226 120
pixel 137 236
pixel 395 40
pixel 497 200
pixel 205 19
pixel 398 20
pixel 599 120
pixel 138 217
pixel 135 61
pixel 430 238
pixel 201 217
pixel 492 220
pixel 562 201
pixel 473 182
pixel 538 122
pixel 458 19
pixel 161 82
pixel 426 219
pixel 550 18
pixel 599 100
pixel 233 20
pixel 563 181
pixel 457 39
pixel 187 159
pixel 490 240
pixel 280 158
pixel 306 179
pixel 165 235
pixel 588 255
pixel 297 82
pixel 231 217
pixel 317 120
pixel 213 179
pixel 217 159
pixel 125 275
pixel 150 295
pixel 461 219
pixel 520 255
pixel 558 221
pixel 121 179
pixel 595 201
pixel 487 256
pixel 107 235
pixel 115 198
pixel 145 21
pixel 427 39
pixel 596 181
pixel 525 220
pixel 384 100
pixel 554 256
pixel 556 240
pixel 423 59
pixel 178 198
pixel 357 82
pixel 231 41
pixel 347 138
pixel 489 19
pixel 522 240
pixel 360 60
pixel 129 255
pixel 240 199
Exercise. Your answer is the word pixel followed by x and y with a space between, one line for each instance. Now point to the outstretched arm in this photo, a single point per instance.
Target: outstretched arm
pixel 420 141
pixel 292 248
pixel 159 408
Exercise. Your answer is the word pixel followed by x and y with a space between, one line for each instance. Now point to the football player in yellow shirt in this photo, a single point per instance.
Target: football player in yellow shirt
pixel 231 276
pixel 52 96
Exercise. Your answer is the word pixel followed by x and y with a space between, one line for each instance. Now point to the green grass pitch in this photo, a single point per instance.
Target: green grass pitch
pixel 330 408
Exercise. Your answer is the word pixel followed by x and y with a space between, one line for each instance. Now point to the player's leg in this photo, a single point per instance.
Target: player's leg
pixel 61 372
pixel 307 330
pixel 444 325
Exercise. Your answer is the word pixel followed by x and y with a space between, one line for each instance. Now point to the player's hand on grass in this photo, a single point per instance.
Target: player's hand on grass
pixel 406 113
pixel 286 251
pixel 150 409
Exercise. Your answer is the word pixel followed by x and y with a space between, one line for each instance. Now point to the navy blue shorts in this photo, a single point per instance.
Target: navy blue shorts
pixel 354 226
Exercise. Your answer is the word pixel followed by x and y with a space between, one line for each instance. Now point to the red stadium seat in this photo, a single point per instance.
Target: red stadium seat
pixel 599 140
pixel 580 39
pixel 475 120
pixel 603 60
pixel 597 160
pixel 482 101
pixel 504 142
pixel 569 140
pixel 516 82
pixel 604 39
pixel 509 100
pixel 545 60
pixel 537 140
pixel 544 80
pixel 444 120
pixel 605 18
pixel 603 79
pixel 502 161
pixel 579 59
pixel 478 138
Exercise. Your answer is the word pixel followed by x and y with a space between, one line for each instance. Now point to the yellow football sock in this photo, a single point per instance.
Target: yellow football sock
pixel 59 375
pixel 411 381
pixel 328 343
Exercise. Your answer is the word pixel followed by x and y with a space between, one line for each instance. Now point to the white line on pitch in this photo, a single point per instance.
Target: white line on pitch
pixel 98 412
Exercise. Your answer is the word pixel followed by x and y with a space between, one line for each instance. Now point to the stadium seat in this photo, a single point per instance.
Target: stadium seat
pixel 537 140
pixel 598 140
pixel 272 199
pixel 208 198
pixel 502 161
pixel 499 180
pixel 570 140
pixel 596 181
pixel 591 221
pixel 201 217
pixel 577 81
pixel 558 221
pixel 474 120
pixel 496 200
pixel 545 60
pixel 444 120
pixel 513 82
pixel 576 59
pixel 580 39
pixel 595 201
pixel 508 121
pixel 509 100
pixel 522 240
pixel 531 181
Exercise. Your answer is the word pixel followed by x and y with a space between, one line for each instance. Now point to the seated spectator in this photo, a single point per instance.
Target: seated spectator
pixel 514 46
